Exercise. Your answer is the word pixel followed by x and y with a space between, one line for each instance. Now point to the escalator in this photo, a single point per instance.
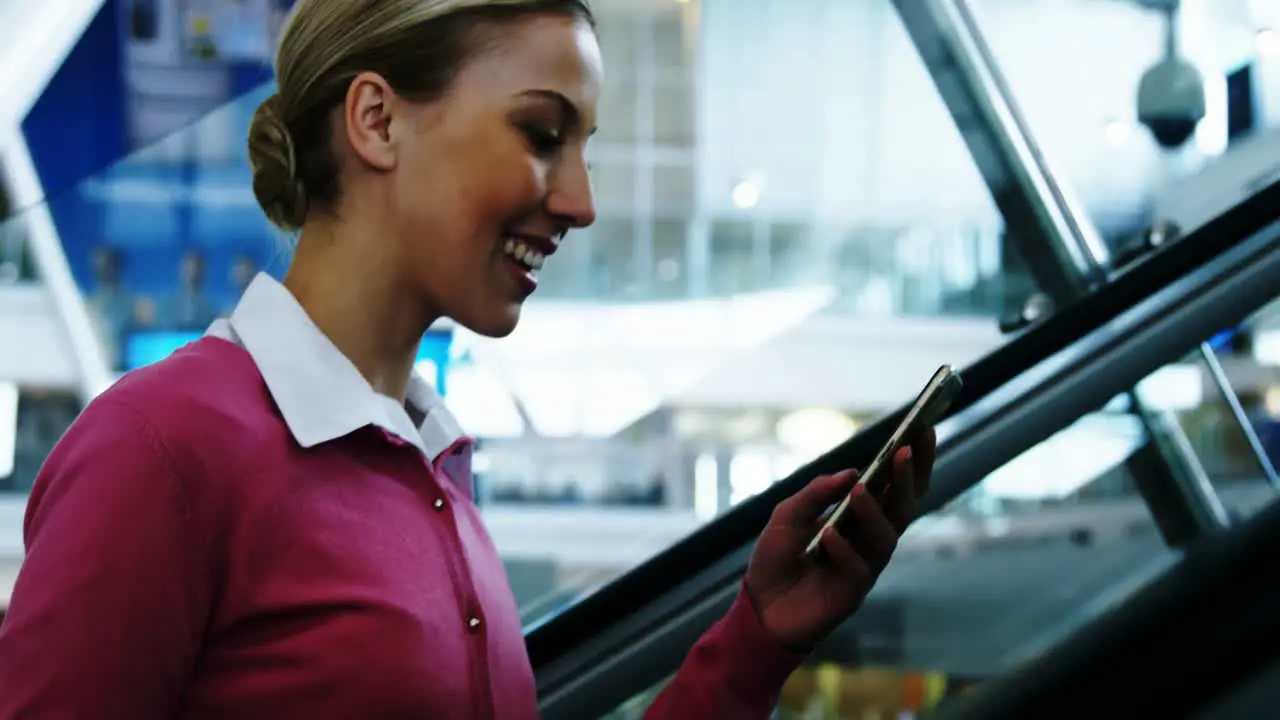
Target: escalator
pixel 1200 641
pixel 628 636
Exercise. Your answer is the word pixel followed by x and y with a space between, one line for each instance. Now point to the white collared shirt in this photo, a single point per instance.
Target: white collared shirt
pixel 320 393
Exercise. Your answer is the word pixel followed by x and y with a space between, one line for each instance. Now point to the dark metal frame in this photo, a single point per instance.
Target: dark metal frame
pixel 1042 216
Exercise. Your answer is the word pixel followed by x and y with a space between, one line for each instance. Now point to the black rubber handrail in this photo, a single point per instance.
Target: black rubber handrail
pixel 560 633
pixel 1206 625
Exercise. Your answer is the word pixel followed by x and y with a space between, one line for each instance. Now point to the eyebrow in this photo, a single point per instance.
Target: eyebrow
pixel 567 107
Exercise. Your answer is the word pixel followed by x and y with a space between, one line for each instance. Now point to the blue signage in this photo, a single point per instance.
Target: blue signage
pixel 434 351
pixel 144 348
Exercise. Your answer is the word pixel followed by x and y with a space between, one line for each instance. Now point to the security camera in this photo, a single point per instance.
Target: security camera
pixel 1171 101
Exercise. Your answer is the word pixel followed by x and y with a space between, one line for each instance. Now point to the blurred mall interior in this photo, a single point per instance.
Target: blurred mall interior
pixel 805 207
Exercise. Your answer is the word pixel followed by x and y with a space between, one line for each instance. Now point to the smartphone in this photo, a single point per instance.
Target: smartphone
pixel 929 407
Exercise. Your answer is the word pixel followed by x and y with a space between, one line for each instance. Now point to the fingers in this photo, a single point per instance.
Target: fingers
pixel 900 500
pixel 923 453
pixel 839 551
pixel 807 505
pixel 871 534
pixel 912 471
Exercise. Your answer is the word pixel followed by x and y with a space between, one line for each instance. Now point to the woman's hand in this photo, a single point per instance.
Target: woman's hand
pixel 802 600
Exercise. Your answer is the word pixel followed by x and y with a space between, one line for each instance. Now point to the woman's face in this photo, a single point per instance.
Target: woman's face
pixel 487 180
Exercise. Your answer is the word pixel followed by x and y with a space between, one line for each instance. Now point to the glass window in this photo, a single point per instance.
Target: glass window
pixel 733 254
pixel 31 421
pixel 612 272
pixel 670 275
pixel 1225 398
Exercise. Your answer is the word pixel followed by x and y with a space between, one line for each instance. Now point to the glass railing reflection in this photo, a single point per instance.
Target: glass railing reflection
pixel 1047 542
pixel 1077 488
pixel 165 239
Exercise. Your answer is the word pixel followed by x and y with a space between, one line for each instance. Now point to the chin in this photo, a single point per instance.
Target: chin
pixel 496 324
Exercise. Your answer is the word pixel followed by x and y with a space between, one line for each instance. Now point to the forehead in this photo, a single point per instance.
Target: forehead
pixel 545 52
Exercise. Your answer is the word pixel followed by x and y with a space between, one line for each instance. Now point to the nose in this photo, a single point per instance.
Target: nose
pixel 569 196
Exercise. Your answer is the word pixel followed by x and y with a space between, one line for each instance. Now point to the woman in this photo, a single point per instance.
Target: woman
pixel 277 520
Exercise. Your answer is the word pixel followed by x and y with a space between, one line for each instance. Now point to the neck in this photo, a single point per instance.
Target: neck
pixel 350 291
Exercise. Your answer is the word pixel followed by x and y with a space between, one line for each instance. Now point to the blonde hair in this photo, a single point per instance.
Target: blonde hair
pixel 417 46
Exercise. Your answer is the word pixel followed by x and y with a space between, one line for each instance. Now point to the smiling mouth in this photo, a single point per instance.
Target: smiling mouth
pixel 523 254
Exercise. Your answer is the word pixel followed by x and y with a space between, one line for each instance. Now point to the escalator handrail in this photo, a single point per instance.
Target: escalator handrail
pixel 1206 623
pixel 706 547
pixel 639 649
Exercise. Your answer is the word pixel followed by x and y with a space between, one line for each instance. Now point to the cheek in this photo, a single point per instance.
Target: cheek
pixel 466 194
pixel 504 195
pixel 516 188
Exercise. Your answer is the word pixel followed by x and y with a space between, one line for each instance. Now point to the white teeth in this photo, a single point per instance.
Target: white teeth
pixel 523 254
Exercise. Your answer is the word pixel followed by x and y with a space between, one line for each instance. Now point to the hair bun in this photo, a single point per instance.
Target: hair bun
pixel 275 171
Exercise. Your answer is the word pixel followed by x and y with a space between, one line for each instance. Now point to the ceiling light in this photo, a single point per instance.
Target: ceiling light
pixel 1117 132
pixel 746 194
pixel 1271 401
pixel 813 431
pixel 1267 41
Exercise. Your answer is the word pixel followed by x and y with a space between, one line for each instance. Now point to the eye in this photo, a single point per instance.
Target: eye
pixel 544 142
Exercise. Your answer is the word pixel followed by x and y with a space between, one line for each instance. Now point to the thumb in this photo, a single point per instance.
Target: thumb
pixel 812 500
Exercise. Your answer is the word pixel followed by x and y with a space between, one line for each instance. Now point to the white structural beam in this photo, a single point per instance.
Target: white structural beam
pixel 38 38
pixel 52 267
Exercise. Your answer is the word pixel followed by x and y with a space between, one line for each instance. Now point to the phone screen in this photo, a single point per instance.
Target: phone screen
pixel 929 406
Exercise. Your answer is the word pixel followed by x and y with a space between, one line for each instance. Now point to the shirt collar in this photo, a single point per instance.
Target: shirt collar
pixel 320 393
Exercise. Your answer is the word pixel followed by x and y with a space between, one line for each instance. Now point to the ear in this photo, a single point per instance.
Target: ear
pixel 367 112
